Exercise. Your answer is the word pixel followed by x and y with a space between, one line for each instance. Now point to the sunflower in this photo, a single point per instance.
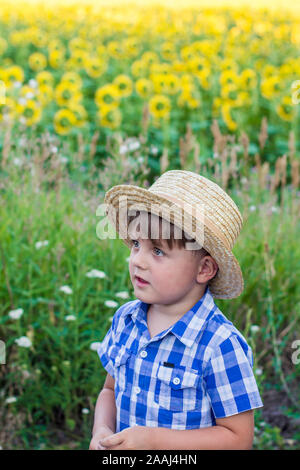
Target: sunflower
pixel 78 59
pixel 203 78
pixel 144 87
pixel 229 92
pixel 7 109
pixel 109 116
pixel 37 61
pixel 56 58
pixel 172 84
pixel 159 82
pixel 228 76
pixel 13 74
pixel 73 78
pixel 124 85
pixel 45 93
pixel 189 100
pixel 64 121
pixel 45 78
pixel 30 112
pixel 138 68
pixel 115 49
pixel 270 87
pixel 80 113
pixel 77 44
pixel 285 108
pixel 131 46
pixel 168 51
pixel 160 106
pixel 149 58
pixel 107 95
pixel 187 53
pixel 225 109
pixel 95 67
pixel 66 93
pixel 198 64
pixel 247 79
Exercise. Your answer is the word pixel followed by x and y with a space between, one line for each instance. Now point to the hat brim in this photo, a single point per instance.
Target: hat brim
pixel 228 282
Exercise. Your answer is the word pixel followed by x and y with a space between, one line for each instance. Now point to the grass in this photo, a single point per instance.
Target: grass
pixel 46 198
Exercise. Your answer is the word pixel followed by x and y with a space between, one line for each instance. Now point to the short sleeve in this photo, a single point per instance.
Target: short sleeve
pixel 229 379
pixel 103 352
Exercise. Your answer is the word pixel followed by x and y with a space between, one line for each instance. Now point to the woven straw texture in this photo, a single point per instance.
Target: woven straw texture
pixel 181 193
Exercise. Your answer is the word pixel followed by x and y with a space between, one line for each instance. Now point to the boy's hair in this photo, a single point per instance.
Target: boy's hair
pixel 146 229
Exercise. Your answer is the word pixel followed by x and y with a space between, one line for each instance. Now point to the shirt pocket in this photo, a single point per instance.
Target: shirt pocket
pixel 176 388
pixel 120 356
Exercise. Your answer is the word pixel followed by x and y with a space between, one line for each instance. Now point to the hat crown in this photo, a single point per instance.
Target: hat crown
pixel 191 188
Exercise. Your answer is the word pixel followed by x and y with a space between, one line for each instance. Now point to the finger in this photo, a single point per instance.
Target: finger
pixel 113 440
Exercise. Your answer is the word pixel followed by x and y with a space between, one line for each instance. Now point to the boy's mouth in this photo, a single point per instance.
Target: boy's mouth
pixel 140 280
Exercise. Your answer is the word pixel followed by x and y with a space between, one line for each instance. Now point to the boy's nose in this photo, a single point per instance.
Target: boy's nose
pixel 140 260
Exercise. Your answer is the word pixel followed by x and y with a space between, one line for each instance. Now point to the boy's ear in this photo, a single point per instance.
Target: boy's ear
pixel 208 268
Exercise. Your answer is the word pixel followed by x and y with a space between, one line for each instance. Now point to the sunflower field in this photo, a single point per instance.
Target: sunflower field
pixel 72 68
pixel 98 93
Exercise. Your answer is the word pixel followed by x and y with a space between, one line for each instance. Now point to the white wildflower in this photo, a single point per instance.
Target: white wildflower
pixel 96 273
pixel 111 303
pixel 122 295
pixel 123 149
pixel 127 259
pixel 70 318
pixel 274 209
pixel 16 314
pixel 95 345
pixel 39 245
pixel 252 208
pixel 254 328
pixel 23 342
pixel 258 371
pixel 33 83
pixel 66 290
pixel 133 145
pixel 85 411
pixel 17 161
pixel 10 400
pixel 22 101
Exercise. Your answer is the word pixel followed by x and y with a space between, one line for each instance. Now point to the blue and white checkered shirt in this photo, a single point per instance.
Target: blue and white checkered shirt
pixel 197 370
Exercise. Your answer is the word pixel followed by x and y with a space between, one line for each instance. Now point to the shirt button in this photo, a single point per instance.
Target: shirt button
pixel 137 390
pixel 144 354
pixel 176 381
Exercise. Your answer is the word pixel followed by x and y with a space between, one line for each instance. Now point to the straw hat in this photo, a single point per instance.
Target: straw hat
pixel 196 205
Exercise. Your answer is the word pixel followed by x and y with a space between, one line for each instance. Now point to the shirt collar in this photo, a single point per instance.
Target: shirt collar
pixel 189 326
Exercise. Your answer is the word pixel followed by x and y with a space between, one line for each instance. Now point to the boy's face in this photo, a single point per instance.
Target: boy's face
pixel 171 274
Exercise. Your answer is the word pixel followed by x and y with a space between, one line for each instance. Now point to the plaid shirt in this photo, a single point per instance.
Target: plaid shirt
pixel 197 370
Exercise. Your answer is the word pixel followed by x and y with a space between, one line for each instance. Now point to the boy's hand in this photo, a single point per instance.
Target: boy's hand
pixel 102 432
pixel 135 438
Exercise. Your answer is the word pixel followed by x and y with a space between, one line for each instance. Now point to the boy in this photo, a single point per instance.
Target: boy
pixel 179 373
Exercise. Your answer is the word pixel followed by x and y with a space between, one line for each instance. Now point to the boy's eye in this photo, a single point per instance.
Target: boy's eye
pixel 158 251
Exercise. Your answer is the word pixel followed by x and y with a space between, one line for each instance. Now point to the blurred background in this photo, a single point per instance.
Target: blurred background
pixel 94 94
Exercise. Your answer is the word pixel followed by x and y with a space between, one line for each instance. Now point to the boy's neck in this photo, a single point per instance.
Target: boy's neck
pixel 171 313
